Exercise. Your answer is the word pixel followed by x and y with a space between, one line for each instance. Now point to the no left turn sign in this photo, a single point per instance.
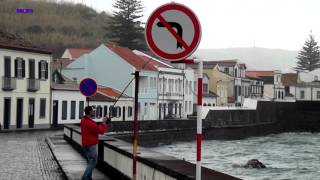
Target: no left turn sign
pixel 173 32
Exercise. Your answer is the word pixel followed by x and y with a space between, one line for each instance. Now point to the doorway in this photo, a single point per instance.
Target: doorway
pixel 55 112
pixel 7 113
pixel 31 113
pixel 19 113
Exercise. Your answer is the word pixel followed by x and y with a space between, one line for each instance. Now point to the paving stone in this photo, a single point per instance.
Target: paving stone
pixel 26 156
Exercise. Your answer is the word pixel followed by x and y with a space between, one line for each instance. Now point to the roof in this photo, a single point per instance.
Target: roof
pixel 231 62
pixel 77 52
pixel 212 64
pixel 258 74
pixel 289 79
pixel 254 78
pixel 101 97
pixel 243 66
pixel 107 91
pixel 60 63
pixel 138 61
pixel 15 42
pixel 68 86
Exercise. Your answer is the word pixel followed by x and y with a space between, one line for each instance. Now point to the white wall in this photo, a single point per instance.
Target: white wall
pixel 21 88
pixel 268 91
pixel 307 93
pixel 63 95
pixel 189 96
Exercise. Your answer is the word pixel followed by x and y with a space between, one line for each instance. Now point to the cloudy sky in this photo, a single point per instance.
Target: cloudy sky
pixel 283 24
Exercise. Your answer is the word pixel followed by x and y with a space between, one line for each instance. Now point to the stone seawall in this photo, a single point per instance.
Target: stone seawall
pixel 269 117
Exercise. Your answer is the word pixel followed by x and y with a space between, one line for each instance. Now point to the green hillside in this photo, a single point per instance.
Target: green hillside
pixel 54 25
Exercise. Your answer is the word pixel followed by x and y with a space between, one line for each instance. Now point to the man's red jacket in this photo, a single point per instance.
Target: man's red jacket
pixel 90 131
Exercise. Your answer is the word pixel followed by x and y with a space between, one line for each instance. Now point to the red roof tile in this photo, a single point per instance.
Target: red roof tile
pixel 258 74
pixel 77 52
pixel 289 79
pixel 15 42
pixel 110 92
pixel 243 66
pixel 139 62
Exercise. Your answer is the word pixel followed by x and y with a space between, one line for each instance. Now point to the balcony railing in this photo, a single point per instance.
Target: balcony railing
pixel 33 85
pixel 8 83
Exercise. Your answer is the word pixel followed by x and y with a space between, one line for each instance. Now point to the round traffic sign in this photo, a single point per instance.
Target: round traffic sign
pixel 173 32
pixel 88 87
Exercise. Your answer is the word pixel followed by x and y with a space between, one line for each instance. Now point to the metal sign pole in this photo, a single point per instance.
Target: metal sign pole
pixel 199 120
pixel 135 128
pixel 87 99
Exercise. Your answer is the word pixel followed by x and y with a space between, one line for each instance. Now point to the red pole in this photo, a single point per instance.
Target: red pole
pixel 199 120
pixel 135 127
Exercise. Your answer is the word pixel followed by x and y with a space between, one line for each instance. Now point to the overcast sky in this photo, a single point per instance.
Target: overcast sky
pixel 283 24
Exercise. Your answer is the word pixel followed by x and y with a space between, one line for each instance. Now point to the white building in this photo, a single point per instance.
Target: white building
pixel 68 104
pixel 25 80
pixel 273 87
pixel 308 91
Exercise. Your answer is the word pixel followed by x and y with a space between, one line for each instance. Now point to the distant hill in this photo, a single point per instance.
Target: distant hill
pixel 255 58
pixel 53 25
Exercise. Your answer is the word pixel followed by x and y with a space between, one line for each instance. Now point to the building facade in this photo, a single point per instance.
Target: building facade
pixel 25 97
pixel 273 87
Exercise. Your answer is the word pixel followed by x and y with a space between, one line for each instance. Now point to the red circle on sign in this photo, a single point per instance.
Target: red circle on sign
pixel 91 89
pixel 197 32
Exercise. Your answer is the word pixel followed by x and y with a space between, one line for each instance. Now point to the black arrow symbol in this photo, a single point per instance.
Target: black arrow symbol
pixel 174 25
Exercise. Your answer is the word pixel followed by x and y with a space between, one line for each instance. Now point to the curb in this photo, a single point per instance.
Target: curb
pixel 52 147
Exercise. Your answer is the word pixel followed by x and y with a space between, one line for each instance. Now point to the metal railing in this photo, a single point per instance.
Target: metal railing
pixel 8 83
pixel 33 85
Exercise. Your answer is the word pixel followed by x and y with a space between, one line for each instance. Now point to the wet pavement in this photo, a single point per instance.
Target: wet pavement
pixel 26 156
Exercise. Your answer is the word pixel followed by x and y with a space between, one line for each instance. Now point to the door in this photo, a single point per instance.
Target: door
pixel 7 113
pixel 19 113
pixel 31 113
pixel 55 110
pixel 7 67
pixel 123 113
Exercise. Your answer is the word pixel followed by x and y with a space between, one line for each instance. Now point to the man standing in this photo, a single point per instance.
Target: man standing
pixel 90 131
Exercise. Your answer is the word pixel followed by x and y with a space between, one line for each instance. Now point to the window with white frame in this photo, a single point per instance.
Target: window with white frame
pixel 177 85
pixel 205 88
pixel 190 87
pixel 185 106
pixel 19 68
pixel 318 94
pixel 43 69
pixel 190 106
pixel 160 85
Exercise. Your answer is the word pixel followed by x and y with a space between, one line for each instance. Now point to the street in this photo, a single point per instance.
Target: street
pixel 25 155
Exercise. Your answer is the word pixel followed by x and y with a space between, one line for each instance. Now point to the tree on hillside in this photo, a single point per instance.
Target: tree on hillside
pixel 125 28
pixel 309 56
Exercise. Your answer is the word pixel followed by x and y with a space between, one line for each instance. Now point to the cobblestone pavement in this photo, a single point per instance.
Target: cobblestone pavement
pixel 26 156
